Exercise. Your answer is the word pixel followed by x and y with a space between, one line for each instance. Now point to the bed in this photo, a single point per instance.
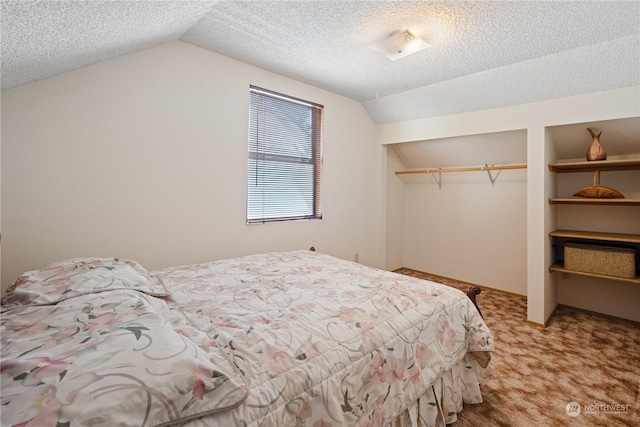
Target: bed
pixel 294 338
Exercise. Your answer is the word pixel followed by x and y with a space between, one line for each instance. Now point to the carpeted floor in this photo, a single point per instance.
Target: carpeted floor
pixel 542 377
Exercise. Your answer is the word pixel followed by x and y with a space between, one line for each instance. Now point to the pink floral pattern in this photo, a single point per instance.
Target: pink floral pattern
pixel 325 342
pixel 288 339
pixel 67 279
pixel 107 358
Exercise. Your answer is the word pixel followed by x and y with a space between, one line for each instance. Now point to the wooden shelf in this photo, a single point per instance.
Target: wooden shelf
pixel 559 267
pixel 633 239
pixel 559 238
pixel 593 235
pixel 601 165
pixel 586 201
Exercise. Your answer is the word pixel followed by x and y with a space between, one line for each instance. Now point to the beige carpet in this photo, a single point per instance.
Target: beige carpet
pixel 579 358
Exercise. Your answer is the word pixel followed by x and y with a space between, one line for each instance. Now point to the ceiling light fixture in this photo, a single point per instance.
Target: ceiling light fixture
pixel 400 44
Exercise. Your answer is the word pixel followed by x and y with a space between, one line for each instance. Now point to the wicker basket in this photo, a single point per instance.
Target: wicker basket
pixel 606 260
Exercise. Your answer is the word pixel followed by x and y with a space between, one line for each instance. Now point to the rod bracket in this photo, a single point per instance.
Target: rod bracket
pixel 438 179
pixel 491 177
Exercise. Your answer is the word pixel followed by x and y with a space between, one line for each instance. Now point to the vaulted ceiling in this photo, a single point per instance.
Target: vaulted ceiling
pixel 483 54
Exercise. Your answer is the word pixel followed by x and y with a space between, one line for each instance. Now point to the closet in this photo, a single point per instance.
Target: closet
pixel 464 202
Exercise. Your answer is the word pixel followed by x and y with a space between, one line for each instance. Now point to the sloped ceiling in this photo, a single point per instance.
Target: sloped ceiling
pixel 620 138
pixel 483 54
pixel 497 148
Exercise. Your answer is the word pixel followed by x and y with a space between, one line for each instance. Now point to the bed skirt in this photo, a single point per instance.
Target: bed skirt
pixel 442 402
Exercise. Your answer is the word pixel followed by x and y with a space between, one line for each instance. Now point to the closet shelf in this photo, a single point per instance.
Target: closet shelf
pixel 595 235
pixel 559 266
pixel 600 165
pixel 587 201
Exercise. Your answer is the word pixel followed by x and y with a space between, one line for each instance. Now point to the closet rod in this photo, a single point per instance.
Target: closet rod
pixel 464 169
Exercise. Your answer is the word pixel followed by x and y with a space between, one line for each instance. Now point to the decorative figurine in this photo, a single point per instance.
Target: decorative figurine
pixel 596 191
pixel 596 151
pixel 599 192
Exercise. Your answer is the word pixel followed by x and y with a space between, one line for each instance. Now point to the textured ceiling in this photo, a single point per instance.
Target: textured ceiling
pixel 483 55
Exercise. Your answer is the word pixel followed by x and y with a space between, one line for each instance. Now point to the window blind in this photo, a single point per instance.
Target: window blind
pixel 285 158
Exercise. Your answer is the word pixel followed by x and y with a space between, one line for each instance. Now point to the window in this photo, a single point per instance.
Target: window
pixel 285 158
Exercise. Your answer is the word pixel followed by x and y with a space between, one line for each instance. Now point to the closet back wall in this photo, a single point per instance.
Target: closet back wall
pixel 469 229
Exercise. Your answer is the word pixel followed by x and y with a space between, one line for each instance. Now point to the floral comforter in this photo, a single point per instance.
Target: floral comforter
pixel 283 339
pixel 87 342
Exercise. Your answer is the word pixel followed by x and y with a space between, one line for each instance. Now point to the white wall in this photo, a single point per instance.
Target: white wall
pixel 550 291
pixel 613 104
pixel 144 157
pixel 465 227
pixel 395 209
pixel 469 230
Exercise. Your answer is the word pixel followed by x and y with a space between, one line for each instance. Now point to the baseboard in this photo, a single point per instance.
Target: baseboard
pixel 536 324
pixel 483 287
pixel 553 312
pixel 546 322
